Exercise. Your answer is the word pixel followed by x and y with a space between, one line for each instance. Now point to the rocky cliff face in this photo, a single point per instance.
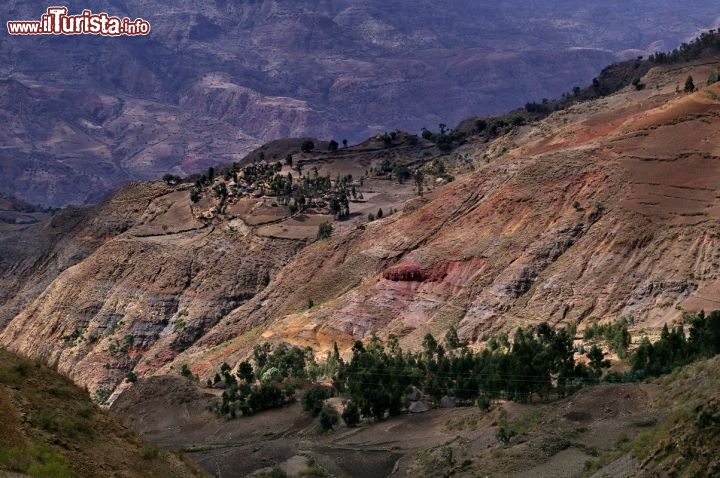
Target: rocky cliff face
pixel 214 80
pixel 607 209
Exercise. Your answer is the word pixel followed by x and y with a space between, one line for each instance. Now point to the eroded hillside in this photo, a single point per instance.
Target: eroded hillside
pixel 606 209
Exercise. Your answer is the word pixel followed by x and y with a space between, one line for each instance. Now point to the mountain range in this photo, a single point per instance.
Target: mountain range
pixel 214 80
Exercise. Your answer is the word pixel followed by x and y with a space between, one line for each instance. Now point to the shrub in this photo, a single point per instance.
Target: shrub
pixel 714 77
pixel 307 146
pixel 504 434
pixel 101 396
pixel 313 398
pixel 185 371
pixel 325 231
pixel 351 414
pixel 328 418
pixel 150 452
pixel 689 85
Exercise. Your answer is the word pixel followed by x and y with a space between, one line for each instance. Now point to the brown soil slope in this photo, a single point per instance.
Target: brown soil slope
pixel 128 284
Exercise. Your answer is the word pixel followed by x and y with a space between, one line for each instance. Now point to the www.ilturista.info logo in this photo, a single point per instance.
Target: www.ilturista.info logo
pixel 57 22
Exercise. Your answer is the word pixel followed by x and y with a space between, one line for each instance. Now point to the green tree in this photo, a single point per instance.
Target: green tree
pixel 402 174
pixel 597 360
pixel 419 180
pixel 689 84
pixel 451 338
pixel 171 179
pixel 260 355
pixel 313 398
pixel 221 191
pixel 333 146
pixel 714 77
pixel 245 372
pixel 194 195
pixel 430 346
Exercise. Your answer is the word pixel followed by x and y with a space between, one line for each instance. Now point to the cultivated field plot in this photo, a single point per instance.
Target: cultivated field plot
pixel 303 226
pixel 257 211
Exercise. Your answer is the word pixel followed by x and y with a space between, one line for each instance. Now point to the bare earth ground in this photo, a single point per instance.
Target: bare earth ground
pixel 553 439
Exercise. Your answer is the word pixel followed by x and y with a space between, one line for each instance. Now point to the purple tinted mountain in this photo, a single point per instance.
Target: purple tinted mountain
pixel 214 80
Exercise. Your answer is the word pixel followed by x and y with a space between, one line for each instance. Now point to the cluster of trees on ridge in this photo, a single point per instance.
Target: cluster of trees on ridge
pixel 620 75
pixel 311 190
pixel 539 362
pixel 708 41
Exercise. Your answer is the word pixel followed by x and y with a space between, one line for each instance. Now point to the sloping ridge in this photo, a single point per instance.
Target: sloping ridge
pixel 50 428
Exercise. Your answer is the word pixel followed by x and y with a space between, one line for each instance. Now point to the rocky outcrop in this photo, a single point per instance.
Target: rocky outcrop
pixel 410 272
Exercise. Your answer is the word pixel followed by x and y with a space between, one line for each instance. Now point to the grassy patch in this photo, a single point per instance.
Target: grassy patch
pixel 313 470
pixel 35 460
pixel 527 421
pixel 647 440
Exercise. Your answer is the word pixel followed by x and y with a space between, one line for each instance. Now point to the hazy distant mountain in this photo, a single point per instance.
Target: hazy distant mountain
pixel 215 79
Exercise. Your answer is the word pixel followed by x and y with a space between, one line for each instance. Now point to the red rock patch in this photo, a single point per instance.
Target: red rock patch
pixel 412 272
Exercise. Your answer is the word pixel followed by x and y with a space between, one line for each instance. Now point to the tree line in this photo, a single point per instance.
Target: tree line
pixel 539 362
